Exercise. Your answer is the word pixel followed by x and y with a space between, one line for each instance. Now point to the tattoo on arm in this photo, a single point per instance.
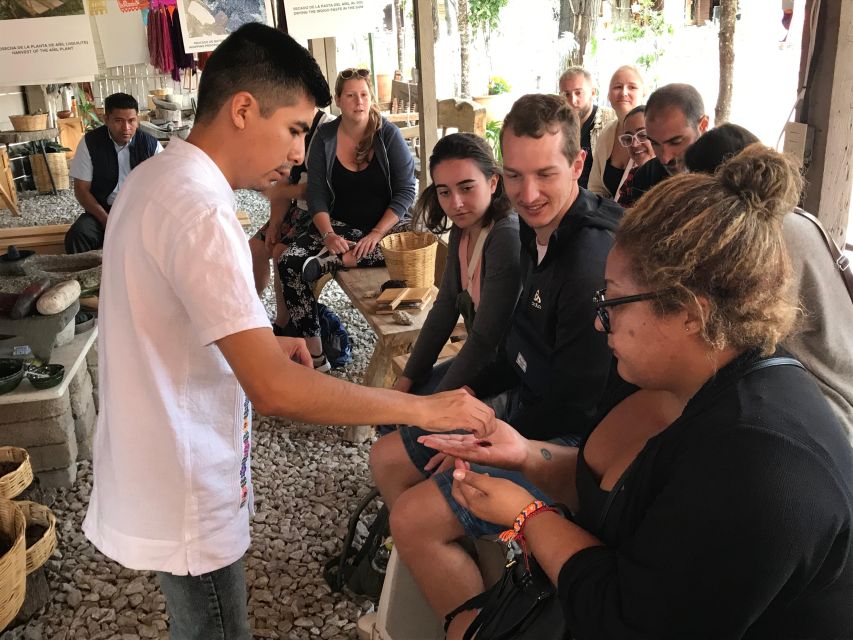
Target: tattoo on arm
pixel 545 453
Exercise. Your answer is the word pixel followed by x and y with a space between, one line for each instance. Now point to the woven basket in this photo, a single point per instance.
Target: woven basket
pixel 13 576
pixel 13 483
pixel 58 163
pixel 39 552
pixel 410 256
pixel 37 122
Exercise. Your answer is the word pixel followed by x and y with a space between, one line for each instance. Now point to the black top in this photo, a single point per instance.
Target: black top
pixel 735 522
pixel 612 177
pixel 553 352
pixel 646 177
pixel 586 145
pixel 361 197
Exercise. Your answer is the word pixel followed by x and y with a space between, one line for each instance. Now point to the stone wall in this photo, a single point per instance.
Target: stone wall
pixel 56 433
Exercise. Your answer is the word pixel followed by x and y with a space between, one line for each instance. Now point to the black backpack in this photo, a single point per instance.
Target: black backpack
pixel 361 570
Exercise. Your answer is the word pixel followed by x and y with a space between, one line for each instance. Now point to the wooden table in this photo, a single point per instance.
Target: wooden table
pixel 392 339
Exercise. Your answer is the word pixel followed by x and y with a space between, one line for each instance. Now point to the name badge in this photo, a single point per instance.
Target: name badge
pixel 521 362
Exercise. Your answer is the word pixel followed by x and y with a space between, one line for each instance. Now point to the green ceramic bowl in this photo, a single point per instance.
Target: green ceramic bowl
pixel 11 373
pixel 47 376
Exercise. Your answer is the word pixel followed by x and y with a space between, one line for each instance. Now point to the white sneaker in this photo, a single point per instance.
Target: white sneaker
pixel 324 262
pixel 321 363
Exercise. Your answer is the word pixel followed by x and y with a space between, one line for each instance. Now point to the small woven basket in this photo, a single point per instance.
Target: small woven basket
pixel 410 256
pixel 37 122
pixel 16 481
pixel 13 575
pixel 58 163
pixel 35 513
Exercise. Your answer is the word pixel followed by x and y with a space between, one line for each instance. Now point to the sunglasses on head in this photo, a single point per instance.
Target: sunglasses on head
pixel 350 73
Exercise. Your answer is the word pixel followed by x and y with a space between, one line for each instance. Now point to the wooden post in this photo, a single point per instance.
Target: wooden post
pixel 427 101
pixel 325 53
pixel 828 108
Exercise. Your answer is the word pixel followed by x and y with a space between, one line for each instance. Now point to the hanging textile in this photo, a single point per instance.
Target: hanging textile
pixel 203 57
pixel 126 6
pixel 183 60
pixel 165 41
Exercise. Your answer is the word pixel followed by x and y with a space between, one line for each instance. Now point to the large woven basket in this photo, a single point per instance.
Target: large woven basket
pixel 58 163
pixel 35 513
pixel 37 122
pixel 410 256
pixel 16 481
pixel 13 576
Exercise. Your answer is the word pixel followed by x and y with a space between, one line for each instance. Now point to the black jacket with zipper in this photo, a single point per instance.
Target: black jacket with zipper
pixel 553 351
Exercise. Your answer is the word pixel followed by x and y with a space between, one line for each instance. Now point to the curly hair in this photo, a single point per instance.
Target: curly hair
pixel 719 237
pixel 461 146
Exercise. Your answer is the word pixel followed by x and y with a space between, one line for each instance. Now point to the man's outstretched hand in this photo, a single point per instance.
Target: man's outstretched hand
pixel 457 409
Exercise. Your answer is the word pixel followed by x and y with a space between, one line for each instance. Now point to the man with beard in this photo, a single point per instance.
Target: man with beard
pixel 577 89
pixel 675 118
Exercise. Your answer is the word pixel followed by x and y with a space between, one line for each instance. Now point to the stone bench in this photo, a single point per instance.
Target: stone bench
pixel 56 425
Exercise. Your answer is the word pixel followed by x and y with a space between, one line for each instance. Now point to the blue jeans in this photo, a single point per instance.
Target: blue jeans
pixel 211 606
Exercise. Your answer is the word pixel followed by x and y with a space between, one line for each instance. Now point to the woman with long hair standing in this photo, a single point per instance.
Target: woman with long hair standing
pixel 361 183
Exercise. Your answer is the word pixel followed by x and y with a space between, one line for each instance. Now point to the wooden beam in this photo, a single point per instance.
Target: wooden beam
pixel 325 53
pixel 828 108
pixel 427 101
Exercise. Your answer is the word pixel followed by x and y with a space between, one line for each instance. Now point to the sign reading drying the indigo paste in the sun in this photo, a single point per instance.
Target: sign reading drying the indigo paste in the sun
pixel 45 42
pixel 332 18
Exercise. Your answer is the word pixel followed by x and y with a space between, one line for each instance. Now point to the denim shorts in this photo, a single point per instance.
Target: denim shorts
pixel 504 406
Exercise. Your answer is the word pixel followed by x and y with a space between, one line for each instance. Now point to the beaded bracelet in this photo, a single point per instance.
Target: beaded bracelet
pixel 534 508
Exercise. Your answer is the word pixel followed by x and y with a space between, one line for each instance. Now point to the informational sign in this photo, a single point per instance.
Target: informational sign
pixel 331 18
pixel 45 42
pixel 122 36
pixel 206 23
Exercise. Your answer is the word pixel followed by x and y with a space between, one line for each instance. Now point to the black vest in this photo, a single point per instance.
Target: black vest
pixel 102 151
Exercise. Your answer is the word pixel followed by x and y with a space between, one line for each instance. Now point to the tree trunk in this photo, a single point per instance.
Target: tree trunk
pixel 464 43
pixel 580 17
pixel 400 21
pixel 728 19
pixel 449 11
pixel 567 18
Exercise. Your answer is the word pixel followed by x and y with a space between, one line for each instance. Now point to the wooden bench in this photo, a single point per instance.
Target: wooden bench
pixel 393 341
pixel 51 238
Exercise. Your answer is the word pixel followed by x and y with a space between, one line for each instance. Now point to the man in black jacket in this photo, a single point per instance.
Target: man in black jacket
pixel 675 118
pixel 102 162
pixel 556 362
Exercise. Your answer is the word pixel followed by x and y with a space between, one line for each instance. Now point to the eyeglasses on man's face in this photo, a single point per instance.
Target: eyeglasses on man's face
pixel 627 139
pixel 348 74
pixel 601 304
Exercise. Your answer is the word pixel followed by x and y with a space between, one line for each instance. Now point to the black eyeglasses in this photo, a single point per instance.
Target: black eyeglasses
pixel 348 74
pixel 627 139
pixel 601 304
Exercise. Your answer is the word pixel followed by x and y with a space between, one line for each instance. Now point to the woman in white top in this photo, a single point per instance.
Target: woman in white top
pixel 611 162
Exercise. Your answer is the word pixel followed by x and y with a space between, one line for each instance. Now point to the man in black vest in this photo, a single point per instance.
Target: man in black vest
pixel 100 166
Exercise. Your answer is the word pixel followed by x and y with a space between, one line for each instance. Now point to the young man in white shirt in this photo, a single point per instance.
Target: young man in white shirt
pixel 183 334
pixel 103 160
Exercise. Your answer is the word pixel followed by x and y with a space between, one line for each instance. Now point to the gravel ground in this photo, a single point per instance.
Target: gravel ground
pixel 307 482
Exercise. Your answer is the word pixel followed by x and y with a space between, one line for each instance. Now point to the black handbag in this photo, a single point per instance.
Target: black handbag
pixel 522 605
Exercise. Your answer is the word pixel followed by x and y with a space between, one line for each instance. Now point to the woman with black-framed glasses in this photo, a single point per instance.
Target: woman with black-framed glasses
pixel 715 497
pixel 361 185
